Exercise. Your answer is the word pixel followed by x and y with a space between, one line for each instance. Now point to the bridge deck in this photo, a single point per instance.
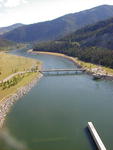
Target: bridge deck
pixel 59 70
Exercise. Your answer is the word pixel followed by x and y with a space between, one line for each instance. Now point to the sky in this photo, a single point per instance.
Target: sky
pixel 33 11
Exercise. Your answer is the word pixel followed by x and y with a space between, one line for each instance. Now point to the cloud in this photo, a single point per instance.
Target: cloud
pixel 13 3
pixel 1 2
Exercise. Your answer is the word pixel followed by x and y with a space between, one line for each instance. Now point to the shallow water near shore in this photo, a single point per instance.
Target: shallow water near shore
pixel 54 114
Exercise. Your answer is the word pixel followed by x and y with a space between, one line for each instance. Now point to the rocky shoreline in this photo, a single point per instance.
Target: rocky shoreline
pixel 6 104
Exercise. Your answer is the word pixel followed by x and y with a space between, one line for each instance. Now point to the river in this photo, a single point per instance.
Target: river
pixel 55 113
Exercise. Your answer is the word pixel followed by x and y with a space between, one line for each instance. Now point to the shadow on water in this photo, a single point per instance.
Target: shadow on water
pixel 90 139
pixel 9 142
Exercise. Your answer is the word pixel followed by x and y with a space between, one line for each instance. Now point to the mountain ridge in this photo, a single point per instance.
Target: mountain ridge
pixel 59 27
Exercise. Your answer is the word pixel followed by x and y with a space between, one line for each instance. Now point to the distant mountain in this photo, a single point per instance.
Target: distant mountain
pixel 51 30
pixel 9 28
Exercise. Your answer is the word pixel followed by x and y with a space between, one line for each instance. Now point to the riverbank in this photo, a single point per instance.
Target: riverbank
pixel 7 103
pixel 95 70
pixel 17 76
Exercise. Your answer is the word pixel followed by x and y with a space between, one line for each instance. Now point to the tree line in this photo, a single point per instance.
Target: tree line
pixel 95 55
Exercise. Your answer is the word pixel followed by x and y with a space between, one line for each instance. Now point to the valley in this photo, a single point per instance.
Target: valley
pixel 41 107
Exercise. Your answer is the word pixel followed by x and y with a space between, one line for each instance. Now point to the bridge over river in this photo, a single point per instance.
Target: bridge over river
pixel 61 71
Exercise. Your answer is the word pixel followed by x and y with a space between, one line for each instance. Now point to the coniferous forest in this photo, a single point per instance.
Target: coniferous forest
pixel 96 55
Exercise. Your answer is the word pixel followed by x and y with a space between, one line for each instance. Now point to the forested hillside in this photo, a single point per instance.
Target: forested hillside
pixel 93 44
pixel 99 34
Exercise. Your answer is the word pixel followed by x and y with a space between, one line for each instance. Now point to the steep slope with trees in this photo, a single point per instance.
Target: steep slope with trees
pixel 99 34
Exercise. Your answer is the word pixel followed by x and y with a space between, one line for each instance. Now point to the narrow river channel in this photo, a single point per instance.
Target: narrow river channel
pixel 55 113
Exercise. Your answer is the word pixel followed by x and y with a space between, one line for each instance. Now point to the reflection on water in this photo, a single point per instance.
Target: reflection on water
pixel 10 142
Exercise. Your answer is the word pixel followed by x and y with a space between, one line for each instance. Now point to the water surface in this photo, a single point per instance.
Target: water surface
pixel 54 114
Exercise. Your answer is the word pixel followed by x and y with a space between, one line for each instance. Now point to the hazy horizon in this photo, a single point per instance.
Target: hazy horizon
pixel 34 11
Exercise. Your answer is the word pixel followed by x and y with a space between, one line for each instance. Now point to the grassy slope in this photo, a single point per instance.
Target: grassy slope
pixel 9 64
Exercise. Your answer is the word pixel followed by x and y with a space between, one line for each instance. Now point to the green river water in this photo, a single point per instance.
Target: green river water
pixel 55 113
